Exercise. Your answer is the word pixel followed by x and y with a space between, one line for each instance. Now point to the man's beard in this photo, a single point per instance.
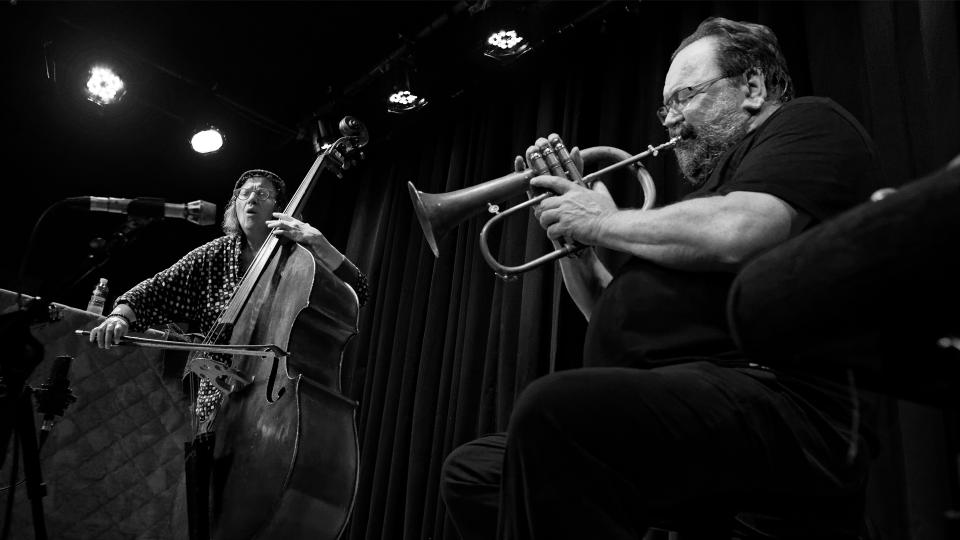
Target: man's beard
pixel 698 156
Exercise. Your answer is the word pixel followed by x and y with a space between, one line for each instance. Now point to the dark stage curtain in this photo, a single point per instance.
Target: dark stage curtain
pixel 445 347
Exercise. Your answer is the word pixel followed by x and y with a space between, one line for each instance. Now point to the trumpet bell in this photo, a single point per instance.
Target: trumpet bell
pixel 424 206
pixel 440 212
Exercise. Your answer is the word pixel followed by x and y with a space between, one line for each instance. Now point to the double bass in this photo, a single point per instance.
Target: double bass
pixel 275 451
pixel 284 460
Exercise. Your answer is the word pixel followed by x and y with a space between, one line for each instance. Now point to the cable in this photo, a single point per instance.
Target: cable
pixel 21 274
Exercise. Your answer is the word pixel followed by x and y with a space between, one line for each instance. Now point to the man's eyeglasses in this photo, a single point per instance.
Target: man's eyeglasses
pixel 258 192
pixel 682 96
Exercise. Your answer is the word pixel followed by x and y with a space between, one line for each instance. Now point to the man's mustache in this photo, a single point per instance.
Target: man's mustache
pixel 684 131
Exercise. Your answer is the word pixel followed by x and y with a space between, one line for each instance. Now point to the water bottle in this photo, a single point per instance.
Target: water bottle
pixel 99 297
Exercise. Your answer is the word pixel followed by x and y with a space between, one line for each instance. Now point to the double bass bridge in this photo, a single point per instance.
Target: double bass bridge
pixel 225 378
pixel 219 373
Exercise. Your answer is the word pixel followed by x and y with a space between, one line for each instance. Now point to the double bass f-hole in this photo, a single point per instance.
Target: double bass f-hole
pixel 274 393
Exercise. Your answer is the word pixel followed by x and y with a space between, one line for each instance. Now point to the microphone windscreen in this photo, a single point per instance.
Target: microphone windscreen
pixel 202 213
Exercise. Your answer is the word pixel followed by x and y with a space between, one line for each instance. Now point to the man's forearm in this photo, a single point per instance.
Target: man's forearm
pixel 714 233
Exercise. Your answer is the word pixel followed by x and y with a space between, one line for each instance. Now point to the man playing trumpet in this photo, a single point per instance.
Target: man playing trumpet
pixel 667 423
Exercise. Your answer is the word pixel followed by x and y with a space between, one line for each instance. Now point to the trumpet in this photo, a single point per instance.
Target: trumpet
pixel 440 212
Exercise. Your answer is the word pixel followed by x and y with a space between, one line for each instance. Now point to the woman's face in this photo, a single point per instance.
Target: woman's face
pixel 255 204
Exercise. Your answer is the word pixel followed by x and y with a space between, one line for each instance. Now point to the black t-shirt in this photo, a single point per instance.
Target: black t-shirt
pixel 810 153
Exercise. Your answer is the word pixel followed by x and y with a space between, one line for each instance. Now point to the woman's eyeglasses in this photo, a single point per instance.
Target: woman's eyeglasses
pixel 258 192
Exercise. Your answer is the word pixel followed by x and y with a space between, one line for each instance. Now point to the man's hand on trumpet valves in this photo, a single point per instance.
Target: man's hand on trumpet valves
pixel 534 161
pixel 576 212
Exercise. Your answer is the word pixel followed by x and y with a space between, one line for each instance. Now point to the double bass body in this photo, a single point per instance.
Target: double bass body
pixel 285 457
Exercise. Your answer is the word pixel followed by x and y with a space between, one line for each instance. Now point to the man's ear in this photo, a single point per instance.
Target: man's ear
pixel 755 86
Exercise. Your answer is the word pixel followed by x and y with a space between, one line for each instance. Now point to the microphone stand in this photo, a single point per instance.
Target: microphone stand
pixel 24 354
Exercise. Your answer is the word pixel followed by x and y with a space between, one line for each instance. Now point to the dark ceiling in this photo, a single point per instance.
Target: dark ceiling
pixel 265 73
pixel 258 70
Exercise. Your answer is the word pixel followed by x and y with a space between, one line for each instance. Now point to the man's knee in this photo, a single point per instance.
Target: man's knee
pixel 470 486
pixel 597 409
pixel 455 473
pixel 546 407
pixel 472 468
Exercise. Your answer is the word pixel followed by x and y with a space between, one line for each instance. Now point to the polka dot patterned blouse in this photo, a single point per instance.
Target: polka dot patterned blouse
pixel 198 287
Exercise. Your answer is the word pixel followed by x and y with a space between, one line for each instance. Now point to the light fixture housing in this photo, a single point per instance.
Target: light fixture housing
pixel 505 45
pixel 405 95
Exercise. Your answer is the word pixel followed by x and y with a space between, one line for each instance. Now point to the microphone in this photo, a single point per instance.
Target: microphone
pixel 199 212
pixel 54 396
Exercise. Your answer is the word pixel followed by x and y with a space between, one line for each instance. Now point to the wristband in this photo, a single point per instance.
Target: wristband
pixel 120 316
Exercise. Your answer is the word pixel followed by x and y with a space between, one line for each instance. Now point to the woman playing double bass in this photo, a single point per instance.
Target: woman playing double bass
pixel 274 452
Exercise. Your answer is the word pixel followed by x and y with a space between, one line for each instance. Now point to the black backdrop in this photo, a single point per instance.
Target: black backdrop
pixel 444 347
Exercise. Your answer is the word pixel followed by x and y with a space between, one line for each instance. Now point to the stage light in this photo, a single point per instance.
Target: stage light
pixel 104 86
pixel 207 140
pixel 505 45
pixel 403 100
pixel 505 39
pixel 405 95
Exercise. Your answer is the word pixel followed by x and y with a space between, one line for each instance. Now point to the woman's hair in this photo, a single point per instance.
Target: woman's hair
pixel 742 46
pixel 230 223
